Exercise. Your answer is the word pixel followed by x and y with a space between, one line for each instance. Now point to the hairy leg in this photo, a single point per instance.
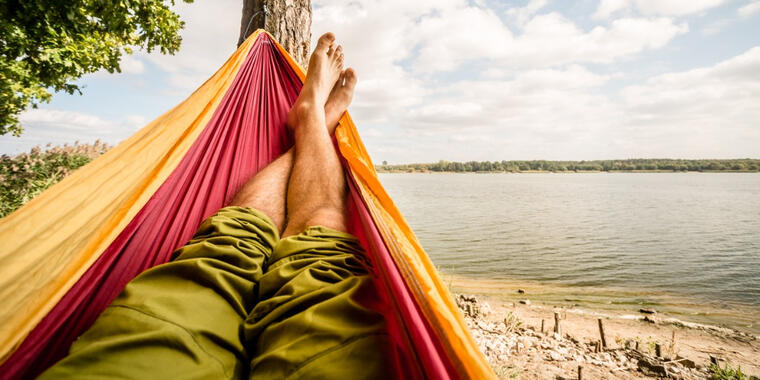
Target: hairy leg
pixel 266 191
pixel 317 188
pixel 319 275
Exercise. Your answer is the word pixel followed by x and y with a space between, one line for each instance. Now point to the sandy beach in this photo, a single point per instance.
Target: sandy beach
pixel 506 320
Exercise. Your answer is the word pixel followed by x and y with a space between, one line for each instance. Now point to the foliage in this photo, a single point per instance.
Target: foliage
pixel 26 175
pixel 726 373
pixel 652 346
pixel 675 165
pixel 512 322
pixel 48 44
pixel 507 372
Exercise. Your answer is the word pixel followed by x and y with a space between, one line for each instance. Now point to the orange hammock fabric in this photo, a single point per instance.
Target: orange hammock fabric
pixel 67 253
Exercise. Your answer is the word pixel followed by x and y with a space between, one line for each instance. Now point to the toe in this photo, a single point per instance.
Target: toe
pixel 324 42
pixel 351 79
pixel 338 51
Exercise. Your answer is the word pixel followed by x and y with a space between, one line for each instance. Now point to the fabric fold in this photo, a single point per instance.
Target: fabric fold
pixel 69 252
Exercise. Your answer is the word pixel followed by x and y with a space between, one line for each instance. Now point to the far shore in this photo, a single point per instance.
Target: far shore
pixel 630 165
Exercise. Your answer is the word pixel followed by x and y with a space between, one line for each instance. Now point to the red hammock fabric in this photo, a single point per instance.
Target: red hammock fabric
pixel 246 132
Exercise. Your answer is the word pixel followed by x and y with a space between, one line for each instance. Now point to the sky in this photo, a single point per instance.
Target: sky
pixel 464 80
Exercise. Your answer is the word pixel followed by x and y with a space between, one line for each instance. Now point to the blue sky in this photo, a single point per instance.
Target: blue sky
pixel 481 80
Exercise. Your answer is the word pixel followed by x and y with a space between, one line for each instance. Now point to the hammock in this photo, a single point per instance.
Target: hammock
pixel 66 254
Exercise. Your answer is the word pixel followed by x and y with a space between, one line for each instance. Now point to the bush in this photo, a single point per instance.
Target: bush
pixel 726 373
pixel 26 175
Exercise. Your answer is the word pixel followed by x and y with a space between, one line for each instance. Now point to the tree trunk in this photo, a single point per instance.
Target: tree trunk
pixel 289 21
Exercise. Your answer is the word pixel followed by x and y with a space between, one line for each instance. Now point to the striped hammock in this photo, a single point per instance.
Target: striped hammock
pixel 69 252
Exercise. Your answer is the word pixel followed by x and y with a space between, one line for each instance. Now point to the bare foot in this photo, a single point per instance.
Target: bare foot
pixel 339 99
pixel 337 102
pixel 325 66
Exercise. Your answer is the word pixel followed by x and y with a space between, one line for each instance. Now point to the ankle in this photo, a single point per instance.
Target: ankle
pixel 306 110
pixel 332 112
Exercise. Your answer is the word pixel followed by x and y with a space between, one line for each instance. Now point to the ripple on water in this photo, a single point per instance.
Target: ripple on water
pixel 694 235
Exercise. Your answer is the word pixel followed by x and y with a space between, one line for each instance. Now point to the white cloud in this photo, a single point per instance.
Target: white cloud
pixel 209 37
pixel 135 121
pixel 553 40
pixel 716 27
pixel 725 95
pixel 131 65
pixel 58 127
pixel 566 114
pixel 749 9
pixel 444 44
pixel 523 14
pixel 608 8
pixel 543 99
pixel 533 97
pixel 452 79
pixel 375 48
pixel 676 7
pixel 66 119
pixel 546 40
pixel 706 112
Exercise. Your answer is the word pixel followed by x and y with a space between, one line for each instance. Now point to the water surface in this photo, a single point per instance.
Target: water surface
pixel 644 236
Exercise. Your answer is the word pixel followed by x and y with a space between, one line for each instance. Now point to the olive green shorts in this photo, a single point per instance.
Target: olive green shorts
pixel 239 302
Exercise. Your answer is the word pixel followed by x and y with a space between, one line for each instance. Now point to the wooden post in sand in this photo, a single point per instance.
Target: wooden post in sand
pixel 658 350
pixel 580 372
pixel 542 326
pixel 556 323
pixel 601 333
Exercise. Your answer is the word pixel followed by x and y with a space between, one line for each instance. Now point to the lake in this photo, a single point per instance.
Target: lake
pixel 686 242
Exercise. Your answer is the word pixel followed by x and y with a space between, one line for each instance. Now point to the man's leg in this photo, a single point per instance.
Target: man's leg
pixel 267 190
pixel 313 320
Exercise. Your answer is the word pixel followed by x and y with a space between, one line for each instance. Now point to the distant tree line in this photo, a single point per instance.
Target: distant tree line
pixel 631 165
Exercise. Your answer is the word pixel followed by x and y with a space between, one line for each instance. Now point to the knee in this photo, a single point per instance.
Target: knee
pixel 328 217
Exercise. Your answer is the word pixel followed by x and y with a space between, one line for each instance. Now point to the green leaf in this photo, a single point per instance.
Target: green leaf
pixel 49 44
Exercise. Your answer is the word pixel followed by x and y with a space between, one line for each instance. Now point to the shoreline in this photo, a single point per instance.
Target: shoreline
pixel 674 307
pixel 519 341
pixel 506 318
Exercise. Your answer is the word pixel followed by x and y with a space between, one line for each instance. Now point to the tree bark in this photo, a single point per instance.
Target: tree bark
pixel 289 21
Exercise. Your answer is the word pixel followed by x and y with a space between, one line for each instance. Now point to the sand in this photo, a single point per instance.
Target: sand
pixel 549 355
